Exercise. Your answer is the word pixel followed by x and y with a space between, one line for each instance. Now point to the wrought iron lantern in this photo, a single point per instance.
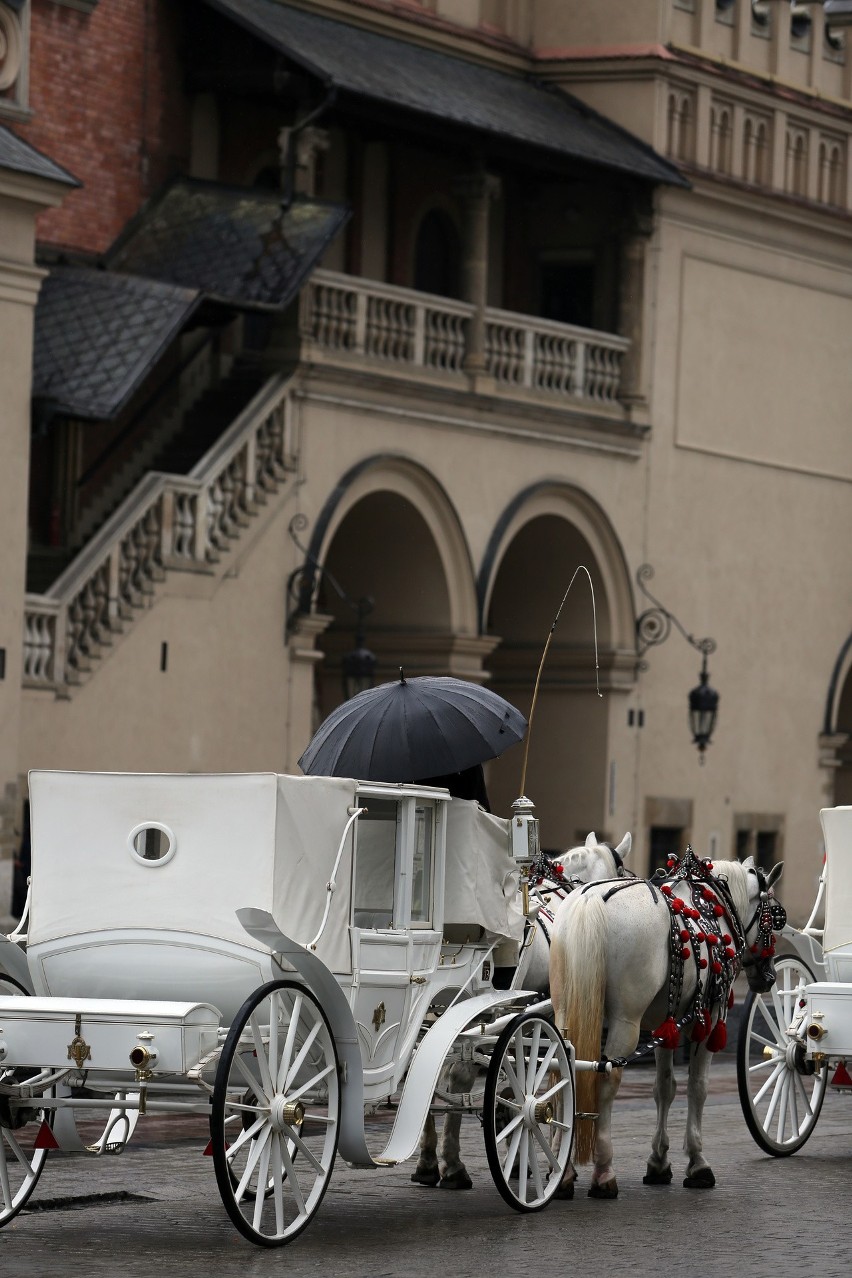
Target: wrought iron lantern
pixel 653 626
pixel 358 666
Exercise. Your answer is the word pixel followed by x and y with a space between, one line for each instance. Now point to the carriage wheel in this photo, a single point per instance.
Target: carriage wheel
pixel 528 1114
pixel 780 1092
pixel 20 1162
pixel 275 1113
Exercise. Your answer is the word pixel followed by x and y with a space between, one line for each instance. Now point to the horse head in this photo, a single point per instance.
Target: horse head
pixel 764 916
pixel 595 860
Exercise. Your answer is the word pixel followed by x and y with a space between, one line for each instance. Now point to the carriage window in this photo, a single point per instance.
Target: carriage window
pixel 375 863
pixel 152 843
pixel 421 879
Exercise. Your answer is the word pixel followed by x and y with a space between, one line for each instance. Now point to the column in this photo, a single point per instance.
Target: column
pixel 631 308
pixel 475 192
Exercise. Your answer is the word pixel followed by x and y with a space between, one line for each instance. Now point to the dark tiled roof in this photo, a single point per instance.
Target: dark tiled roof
pixel 236 245
pixel 23 158
pixel 447 87
pixel 97 335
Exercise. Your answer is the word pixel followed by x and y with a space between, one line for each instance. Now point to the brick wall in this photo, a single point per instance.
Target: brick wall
pixel 108 104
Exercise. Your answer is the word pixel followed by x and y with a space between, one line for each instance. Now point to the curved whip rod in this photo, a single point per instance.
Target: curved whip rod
pixel 580 568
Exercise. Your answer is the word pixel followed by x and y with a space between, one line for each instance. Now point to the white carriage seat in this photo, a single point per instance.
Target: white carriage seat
pixel 837 938
pixel 481 894
pixel 137 879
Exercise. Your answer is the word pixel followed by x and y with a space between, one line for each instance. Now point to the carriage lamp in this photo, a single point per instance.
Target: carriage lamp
pixel 357 667
pixel 653 626
pixel 524 842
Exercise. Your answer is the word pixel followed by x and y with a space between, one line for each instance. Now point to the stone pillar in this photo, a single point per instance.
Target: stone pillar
pixel 306 629
pixel 475 192
pixel 631 313
pixel 23 194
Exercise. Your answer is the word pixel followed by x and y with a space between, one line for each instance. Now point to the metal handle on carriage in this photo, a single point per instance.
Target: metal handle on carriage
pixel 331 884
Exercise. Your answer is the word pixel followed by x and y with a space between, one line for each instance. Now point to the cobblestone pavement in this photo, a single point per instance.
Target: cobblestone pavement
pixel 765 1216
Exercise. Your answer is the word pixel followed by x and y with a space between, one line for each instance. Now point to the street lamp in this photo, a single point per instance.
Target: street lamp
pixel 358 666
pixel 653 626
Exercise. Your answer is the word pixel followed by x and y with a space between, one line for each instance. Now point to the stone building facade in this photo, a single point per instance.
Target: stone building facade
pixel 555 285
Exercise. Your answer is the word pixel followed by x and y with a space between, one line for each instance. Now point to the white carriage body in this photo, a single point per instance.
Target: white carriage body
pixel 108 922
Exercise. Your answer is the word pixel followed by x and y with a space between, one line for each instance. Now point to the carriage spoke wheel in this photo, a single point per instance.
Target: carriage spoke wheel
pixel 528 1113
pixel 780 1093
pixel 20 1162
pixel 275 1113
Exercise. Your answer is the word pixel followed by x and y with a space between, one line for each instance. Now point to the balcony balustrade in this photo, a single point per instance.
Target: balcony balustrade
pixel 350 319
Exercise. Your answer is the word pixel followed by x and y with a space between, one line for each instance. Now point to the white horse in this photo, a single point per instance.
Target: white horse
pixel 639 957
pixel 593 862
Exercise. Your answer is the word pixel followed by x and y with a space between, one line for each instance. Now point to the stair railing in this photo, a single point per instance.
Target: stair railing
pixel 167 523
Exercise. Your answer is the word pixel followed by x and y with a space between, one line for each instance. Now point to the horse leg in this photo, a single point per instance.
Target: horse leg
pixel 621 1040
pixel 699 1174
pixel 665 1086
pixel 426 1172
pixel 453 1171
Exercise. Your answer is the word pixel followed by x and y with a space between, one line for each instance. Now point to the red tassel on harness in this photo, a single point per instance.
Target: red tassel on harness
pixel 718 1037
pixel 668 1034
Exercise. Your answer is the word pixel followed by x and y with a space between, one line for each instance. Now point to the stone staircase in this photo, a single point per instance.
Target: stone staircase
pixel 180 521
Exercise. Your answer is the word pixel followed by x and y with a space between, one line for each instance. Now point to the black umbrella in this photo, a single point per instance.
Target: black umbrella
pixel 412 729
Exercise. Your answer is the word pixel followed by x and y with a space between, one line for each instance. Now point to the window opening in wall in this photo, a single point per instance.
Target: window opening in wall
pixel 437 256
pixel 725 11
pixel 375 864
pixel 665 841
pixel 760 17
pixel 758 836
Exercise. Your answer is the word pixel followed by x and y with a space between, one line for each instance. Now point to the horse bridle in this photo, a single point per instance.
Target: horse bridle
pixel 770 917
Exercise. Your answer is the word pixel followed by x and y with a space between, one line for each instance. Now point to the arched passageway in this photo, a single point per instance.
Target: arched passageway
pixel 568 775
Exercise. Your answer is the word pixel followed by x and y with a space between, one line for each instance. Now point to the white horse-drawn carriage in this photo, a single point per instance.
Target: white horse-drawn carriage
pixel 278 954
pixel 796 1040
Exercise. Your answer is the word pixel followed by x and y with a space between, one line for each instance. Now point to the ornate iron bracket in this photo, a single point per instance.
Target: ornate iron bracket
pixel 654 625
pixel 303 581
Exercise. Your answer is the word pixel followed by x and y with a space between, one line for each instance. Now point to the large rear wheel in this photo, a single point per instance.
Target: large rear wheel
pixel 780 1092
pixel 275 1113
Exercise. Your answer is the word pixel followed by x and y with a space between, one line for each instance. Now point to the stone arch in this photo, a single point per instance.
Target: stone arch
pixel 533 552
pixel 389 531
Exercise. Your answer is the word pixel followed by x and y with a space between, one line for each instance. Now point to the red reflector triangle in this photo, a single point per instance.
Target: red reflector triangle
pixel 841 1076
pixel 45 1138
pixel 208 1150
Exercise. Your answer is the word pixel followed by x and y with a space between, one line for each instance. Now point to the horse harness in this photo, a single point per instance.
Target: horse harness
pixel 700 907
pixel 559 884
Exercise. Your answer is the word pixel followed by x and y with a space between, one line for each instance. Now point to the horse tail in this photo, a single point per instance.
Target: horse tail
pixel 578 955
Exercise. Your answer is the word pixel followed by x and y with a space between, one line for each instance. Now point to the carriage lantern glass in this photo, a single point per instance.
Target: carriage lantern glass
pixel 653 626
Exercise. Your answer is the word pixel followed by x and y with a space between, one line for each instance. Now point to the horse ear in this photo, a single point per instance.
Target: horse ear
pixel 591 840
pixel 623 849
pixel 748 863
pixel 774 874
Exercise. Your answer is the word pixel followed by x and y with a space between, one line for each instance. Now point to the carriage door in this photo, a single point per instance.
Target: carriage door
pixel 392 916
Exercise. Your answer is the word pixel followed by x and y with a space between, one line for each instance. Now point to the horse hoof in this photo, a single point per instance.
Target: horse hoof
pixel 565 1190
pixel 702 1179
pixel 654 1177
pixel 456 1180
pixel 429 1178
pixel 608 1190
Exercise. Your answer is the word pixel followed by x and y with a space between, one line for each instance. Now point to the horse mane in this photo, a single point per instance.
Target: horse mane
pixel 736 876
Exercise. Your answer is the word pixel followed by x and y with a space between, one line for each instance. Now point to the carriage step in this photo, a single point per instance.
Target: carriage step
pixel 592 1117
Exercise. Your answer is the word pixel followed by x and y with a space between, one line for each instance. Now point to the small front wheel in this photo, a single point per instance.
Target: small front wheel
pixel 528 1114
pixel 780 1092
pixel 275 1113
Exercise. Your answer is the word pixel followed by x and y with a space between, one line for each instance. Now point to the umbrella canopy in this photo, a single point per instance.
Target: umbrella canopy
pixel 412 729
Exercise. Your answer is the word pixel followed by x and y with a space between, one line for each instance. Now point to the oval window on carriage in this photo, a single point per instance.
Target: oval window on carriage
pixel 152 843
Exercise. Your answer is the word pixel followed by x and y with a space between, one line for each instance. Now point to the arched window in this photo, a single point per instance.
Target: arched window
pixel 437 255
